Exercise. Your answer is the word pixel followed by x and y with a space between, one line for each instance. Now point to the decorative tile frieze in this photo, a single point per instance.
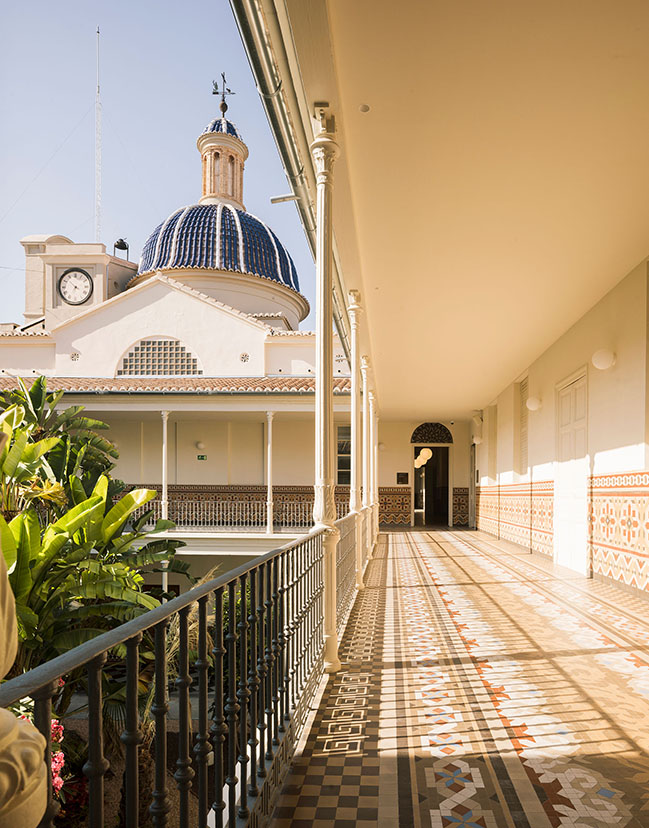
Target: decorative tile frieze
pixel 619 523
pixel 519 512
pixel 460 506
pixel 394 505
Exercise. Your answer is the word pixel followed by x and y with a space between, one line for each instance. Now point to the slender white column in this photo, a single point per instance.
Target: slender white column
pixel 269 472
pixel 164 500
pixel 324 150
pixel 367 513
pixel 365 368
pixel 373 457
pixel 355 503
pixel 376 476
pixel 354 309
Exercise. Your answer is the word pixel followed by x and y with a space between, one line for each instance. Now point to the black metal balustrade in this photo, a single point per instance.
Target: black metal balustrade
pixel 264 622
pixel 236 515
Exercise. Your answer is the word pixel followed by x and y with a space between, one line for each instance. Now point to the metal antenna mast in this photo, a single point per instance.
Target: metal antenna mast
pixel 97 153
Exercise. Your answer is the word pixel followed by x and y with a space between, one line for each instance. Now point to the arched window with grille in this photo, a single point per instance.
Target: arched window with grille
pixel 161 357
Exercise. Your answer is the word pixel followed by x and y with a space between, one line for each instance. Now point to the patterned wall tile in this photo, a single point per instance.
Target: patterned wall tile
pixel 394 505
pixel 521 513
pixel 619 525
pixel 460 506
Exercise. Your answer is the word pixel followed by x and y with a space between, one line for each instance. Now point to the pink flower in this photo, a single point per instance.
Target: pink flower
pixel 57 730
pixel 57 783
pixel 58 761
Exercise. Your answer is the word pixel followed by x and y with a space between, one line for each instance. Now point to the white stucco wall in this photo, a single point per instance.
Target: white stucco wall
pixel 25 357
pixel 296 355
pixel 235 449
pixel 215 336
pixel 293 452
pixel 616 397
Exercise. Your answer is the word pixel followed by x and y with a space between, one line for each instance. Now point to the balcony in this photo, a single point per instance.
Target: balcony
pixel 237 663
pixel 478 685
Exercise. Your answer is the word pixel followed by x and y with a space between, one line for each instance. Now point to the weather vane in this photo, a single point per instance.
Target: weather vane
pixel 223 91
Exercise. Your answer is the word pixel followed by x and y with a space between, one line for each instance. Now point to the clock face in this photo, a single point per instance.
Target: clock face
pixel 75 286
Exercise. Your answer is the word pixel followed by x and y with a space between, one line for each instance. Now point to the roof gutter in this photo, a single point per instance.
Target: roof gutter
pixel 271 71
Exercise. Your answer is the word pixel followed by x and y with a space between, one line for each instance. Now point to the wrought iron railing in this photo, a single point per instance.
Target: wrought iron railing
pixel 258 653
pixel 238 515
pixel 207 514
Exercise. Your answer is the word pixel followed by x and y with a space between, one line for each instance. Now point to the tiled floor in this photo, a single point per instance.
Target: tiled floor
pixel 480 687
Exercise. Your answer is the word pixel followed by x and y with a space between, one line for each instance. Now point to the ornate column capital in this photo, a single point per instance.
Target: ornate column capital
pixel 270 415
pixel 354 302
pixel 324 150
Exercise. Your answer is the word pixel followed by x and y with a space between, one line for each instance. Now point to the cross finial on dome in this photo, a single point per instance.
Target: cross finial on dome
pixel 225 90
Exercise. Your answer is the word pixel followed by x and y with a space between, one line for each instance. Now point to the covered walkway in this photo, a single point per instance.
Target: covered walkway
pixel 480 687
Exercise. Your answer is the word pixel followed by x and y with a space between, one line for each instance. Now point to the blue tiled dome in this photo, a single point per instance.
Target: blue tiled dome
pixel 218 237
pixel 223 125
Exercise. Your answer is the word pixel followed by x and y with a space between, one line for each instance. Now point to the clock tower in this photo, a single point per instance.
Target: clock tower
pixel 63 279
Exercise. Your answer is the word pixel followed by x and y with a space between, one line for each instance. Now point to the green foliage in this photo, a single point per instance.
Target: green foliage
pixel 74 551
pixel 75 450
pixel 81 574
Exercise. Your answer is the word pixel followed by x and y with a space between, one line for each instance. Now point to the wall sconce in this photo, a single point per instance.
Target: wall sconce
pixel 603 359
pixel 200 445
pixel 533 403
pixel 425 454
pixel 381 446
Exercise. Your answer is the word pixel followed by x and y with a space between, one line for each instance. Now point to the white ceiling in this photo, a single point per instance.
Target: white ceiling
pixel 497 188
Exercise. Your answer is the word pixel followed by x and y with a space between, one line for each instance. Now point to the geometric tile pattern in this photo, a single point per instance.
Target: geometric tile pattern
pixel 619 524
pixel 618 513
pixel 394 505
pixel 521 513
pixel 460 506
pixel 479 687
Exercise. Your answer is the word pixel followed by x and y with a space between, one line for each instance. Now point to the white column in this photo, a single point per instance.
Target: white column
pixel 365 367
pixel 324 150
pixel 269 472
pixel 355 504
pixel 376 476
pixel 164 500
pixel 365 370
pixel 373 452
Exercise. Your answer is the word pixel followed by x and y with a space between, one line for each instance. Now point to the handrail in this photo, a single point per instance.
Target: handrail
pixel 37 678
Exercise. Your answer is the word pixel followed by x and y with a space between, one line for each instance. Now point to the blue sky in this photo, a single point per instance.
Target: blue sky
pixel 158 60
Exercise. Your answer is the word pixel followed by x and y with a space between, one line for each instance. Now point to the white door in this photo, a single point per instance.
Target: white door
pixel 571 478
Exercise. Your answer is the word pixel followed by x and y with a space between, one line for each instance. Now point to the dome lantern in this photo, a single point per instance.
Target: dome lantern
pixel 223 154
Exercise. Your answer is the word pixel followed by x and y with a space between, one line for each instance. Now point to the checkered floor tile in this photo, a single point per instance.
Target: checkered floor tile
pixel 479 687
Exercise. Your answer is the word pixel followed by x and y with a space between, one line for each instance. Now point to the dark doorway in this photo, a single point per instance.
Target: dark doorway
pixel 431 486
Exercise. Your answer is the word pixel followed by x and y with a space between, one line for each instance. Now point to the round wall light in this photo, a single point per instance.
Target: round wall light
pixel 426 454
pixel 533 403
pixel 603 359
pixel 200 445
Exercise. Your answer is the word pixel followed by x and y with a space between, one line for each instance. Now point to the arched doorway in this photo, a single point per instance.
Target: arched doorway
pixel 431 457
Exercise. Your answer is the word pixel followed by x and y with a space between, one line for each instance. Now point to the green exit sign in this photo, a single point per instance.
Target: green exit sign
pixel 201 456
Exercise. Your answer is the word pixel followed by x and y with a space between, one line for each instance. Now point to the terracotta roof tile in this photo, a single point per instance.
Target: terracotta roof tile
pixel 182 385
pixel 21 334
